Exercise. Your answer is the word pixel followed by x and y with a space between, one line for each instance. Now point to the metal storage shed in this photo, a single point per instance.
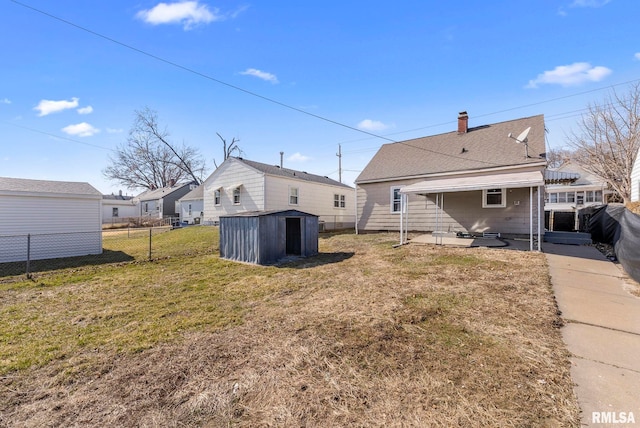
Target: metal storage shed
pixel 264 237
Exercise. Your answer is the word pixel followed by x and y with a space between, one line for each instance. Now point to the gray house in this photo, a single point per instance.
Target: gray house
pixel 161 203
pixel 264 237
pixel 473 180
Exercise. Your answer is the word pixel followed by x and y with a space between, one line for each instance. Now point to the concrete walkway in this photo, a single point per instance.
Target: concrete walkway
pixel 602 332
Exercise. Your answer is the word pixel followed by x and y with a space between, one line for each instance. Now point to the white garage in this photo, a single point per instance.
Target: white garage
pixel 48 219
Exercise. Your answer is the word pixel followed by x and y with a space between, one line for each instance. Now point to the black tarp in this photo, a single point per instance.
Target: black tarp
pixel 617 226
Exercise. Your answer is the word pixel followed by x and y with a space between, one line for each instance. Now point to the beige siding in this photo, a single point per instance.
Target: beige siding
pixel 228 176
pixel 461 211
pixel 313 198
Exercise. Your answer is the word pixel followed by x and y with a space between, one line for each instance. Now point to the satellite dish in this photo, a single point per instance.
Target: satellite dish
pixel 522 138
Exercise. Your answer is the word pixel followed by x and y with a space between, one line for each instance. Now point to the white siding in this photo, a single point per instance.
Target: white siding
pixel 228 176
pixel 79 217
pixel 126 209
pixel 635 181
pixel 197 210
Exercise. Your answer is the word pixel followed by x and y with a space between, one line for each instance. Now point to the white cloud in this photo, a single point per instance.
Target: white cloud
pixel 571 75
pixel 637 56
pixel 260 75
pixel 589 3
pixel 298 157
pixel 187 13
pixel 5 101
pixel 80 130
pixel 85 110
pixel 46 107
pixel 372 125
pixel 115 130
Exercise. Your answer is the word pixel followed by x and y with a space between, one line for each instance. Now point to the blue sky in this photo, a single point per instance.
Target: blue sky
pixel 300 77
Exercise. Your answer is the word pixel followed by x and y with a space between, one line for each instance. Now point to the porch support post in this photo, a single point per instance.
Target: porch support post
pixel 531 218
pixel 539 225
pixel 401 219
pixel 406 219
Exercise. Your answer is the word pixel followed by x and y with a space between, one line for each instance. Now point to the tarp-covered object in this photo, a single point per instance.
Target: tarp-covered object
pixel 617 226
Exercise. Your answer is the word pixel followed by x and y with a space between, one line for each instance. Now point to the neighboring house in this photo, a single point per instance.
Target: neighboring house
pixel 118 208
pixel 161 203
pixel 568 189
pixel 473 180
pixel 190 207
pixel 240 185
pixel 635 180
pixel 61 218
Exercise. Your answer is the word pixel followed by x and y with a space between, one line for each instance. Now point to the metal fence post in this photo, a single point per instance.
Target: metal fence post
pixel 150 229
pixel 28 254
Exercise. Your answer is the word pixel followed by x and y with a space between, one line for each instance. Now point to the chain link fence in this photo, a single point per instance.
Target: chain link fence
pixel 26 254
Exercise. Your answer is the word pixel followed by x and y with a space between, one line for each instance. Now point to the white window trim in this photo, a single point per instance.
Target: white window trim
pixel 503 203
pixel 239 195
pixel 341 200
pixel 217 194
pixel 297 195
pixel 392 201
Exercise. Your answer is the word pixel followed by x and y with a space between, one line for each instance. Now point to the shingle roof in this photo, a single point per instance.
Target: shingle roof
pixel 46 186
pixel 291 173
pixel 151 195
pixel 197 193
pixel 481 147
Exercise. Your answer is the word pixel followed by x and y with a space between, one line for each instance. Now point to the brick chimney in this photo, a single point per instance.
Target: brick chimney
pixel 463 122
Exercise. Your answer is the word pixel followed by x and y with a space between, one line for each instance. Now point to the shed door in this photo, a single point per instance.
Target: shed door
pixel 294 236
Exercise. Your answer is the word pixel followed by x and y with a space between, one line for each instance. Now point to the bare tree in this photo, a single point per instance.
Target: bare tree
pixel 558 157
pixel 609 138
pixel 229 149
pixel 149 160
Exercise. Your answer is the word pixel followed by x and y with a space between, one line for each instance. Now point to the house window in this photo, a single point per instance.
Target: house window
pixel 494 198
pixel 562 197
pixel 571 197
pixel 553 198
pixel 189 209
pixel 293 196
pixel 594 195
pixel 114 212
pixel 216 197
pixel 339 201
pixel 146 207
pixel 580 198
pixel 395 200
pixel 236 196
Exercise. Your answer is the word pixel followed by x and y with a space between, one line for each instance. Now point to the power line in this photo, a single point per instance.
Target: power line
pixel 55 136
pixel 198 73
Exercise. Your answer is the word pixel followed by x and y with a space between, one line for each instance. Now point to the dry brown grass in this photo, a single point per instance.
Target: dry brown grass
pixel 362 335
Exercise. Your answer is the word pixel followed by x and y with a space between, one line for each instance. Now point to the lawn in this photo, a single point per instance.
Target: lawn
pixel 361 335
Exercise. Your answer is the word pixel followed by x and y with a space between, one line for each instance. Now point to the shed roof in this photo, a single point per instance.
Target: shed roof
pixel 25 185
pixel 481 147
pixel 291 173
pixel 269 212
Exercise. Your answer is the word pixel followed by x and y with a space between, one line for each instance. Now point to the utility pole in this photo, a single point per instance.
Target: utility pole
pixel 339 154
